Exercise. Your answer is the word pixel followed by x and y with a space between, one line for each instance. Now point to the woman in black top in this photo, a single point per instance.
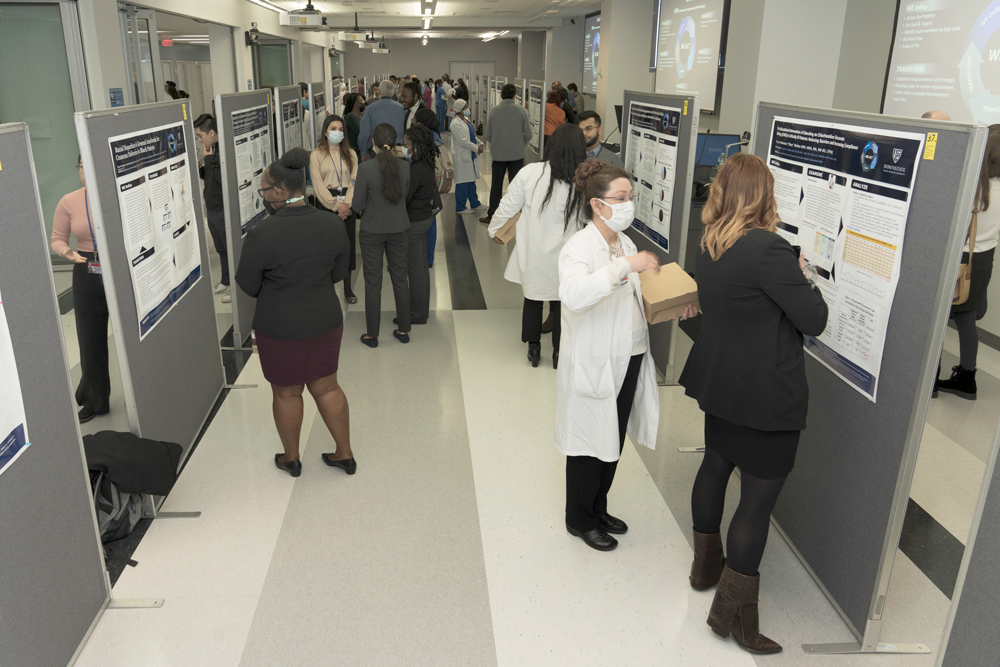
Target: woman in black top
pixel 290 264
pixel 380 195
pixel 421 200
pixel 354 108
pixel 747 371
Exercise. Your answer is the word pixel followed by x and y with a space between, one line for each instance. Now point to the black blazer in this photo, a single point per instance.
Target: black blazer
pixel 380 215
pixel 290 263
pixel 747 365
pixel 420 197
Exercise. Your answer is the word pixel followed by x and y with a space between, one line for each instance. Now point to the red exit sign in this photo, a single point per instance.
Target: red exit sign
pixel 168 42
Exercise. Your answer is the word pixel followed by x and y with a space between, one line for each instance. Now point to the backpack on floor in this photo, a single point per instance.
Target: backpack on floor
pixel 117 512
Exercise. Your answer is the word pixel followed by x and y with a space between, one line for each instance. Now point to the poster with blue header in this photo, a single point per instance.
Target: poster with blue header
pixel 651 160
pixel 251 133
pixel 13 431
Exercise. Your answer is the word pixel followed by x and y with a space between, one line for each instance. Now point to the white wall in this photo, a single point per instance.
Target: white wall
pixel 735 113
pixel 864 55
pixel 624 63
pixel 531 55
pixel 223 68
pixel 409 56
pixel 566 58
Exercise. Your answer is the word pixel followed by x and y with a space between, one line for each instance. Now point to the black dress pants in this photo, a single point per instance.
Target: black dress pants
pixel 531 322
pixel 217 228
pixel 418 273
pixel 496 185
pixel 395 248
pixel 588 478
pixel 90 307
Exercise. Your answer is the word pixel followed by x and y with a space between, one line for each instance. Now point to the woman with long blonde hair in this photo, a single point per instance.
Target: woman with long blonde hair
pixel 747 371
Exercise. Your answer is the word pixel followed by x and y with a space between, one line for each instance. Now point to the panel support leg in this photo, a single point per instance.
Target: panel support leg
pixel 854 647
pixel 149 511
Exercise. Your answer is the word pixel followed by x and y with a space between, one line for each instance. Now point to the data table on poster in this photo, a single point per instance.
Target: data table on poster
pixel 843 196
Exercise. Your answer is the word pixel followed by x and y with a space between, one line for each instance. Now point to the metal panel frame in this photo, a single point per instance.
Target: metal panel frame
pixel 280 98
pixel 316 118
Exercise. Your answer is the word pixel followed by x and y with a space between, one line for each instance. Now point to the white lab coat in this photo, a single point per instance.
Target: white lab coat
pixel 597 315
pixel 541 233
pixel 462 149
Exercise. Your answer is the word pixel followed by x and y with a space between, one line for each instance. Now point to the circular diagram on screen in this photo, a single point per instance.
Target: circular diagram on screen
pixel 685 48
pixel 595 51
pixel 979 74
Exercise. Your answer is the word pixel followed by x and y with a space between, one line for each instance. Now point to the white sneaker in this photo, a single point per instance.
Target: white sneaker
pixel 219 288
pixel 228 296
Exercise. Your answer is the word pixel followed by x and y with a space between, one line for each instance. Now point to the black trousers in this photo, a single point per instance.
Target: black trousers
pixel 351 225
pixel 217 227
pixel 395 247
pixel 90 307
pixel 588 478
pixel 418 273
pixel 496 186
pixel 531 322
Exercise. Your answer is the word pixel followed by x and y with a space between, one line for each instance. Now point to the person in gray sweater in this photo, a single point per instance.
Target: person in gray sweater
pixel 508 131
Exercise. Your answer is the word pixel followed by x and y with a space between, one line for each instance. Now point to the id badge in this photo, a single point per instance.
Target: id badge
pixel 94 267
pixel 341 199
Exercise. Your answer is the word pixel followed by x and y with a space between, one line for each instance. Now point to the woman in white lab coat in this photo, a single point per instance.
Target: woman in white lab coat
pixel 607 380
pixel 465 149
pixel 551 211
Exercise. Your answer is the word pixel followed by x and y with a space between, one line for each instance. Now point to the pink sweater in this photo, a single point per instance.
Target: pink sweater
pixel 71 218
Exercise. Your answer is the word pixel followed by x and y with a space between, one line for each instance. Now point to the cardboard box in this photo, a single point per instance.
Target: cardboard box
pixel 508 231
pixel 665 296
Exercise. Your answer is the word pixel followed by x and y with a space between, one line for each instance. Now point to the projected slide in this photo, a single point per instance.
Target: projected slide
pixel 687 57
pixel 591 52
pixel 946 57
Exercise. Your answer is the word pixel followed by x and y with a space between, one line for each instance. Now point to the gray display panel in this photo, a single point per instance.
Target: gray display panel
pixel 842 507
pixel 174 375
pixel 288 118
pixel 53 581
pixel 244 305
pixel 317 111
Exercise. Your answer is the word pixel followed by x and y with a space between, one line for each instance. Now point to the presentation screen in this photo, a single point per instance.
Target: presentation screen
pixel 946 56
pixel 711 147
pixel 687 52
pixel 591 52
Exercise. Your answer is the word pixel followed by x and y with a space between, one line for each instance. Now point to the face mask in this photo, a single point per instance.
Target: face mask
pixel 466 113
pixel 406 152
pixel 270 208
pixel 336 136
pixel 622 216
pixel 305 104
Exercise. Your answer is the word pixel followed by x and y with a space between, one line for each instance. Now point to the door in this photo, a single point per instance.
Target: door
pixel 44 91
pixel 143 68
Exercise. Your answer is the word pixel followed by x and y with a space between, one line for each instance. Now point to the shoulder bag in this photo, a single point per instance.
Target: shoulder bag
pixel 964 281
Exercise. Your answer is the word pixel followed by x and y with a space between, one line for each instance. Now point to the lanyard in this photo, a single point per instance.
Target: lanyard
pixel 339 172
pixel 93 240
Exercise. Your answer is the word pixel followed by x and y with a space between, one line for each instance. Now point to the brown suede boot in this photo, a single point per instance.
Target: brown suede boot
pixel 708 561
pixel 734 611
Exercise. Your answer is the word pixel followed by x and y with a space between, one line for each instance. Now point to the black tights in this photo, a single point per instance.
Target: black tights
pixel 748 530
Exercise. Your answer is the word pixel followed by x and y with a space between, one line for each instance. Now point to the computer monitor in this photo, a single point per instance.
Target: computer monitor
pixel 711 146
pixel 618 114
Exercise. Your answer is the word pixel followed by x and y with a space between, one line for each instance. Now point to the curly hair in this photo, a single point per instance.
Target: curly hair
pixel 423 144
pixel 593 178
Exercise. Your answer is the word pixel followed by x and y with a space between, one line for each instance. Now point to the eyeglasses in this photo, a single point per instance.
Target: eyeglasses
pixel 622 200
pixel 261 191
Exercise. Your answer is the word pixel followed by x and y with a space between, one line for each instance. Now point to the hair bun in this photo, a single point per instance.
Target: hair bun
pixel 585 170
pixel 296 158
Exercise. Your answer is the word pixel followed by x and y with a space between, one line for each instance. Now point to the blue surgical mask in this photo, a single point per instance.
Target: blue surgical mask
pixel 336 136
pixel 305 103
pixel 406 152
pixel 466 113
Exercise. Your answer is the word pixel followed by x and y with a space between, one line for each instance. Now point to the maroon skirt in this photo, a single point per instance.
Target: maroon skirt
pixel 287 363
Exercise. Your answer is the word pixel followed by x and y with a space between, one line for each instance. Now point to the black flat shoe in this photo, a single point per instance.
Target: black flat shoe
pixel 293 468
pixel 612 525
pixel 401 337
pixel 395 320
pixel 595 538
pixel 370 342
pixel 351 299
pixel 350 466
pixel 555 359
pixel 85 415
pixel 534 353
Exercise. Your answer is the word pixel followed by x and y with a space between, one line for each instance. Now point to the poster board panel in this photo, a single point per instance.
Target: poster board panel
pixel 288 120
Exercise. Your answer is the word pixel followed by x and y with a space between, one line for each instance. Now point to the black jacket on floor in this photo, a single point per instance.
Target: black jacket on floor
pixel 748 366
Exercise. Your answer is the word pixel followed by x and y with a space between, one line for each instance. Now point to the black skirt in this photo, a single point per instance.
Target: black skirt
pixel 982 271
pixel 760 454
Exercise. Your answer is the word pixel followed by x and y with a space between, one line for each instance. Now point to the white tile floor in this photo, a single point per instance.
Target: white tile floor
pixel 258 579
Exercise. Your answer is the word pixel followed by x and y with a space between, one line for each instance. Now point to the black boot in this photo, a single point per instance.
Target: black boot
pixel 534 353
pixel 961 383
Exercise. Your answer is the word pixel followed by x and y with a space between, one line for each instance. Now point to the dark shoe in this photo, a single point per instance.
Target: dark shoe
pixel 370 342
pixel 351 298
pixel 961 383
pixel 555 359
pixel 401 337
pixel 431 265
pixel 487 220
pixel 612 525
pixel 596 538
pixel 85 415
pixel 350 466
pixel 734 612
pixel 549 324
pixel 293 468
pixel 395 320
pixel 534 353
pixel 937 380
pixel 708 561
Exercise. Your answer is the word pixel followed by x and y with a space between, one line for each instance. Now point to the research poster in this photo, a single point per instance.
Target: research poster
pixel 843 195
pixel 591 52
pixel 651 160
pixel 253 154
pixel 946 57
pixel 318 115
pixel 687 48
pixel 12 424
pixel 291 124
pixel 158 223
pixel 519 94
pixel 536 114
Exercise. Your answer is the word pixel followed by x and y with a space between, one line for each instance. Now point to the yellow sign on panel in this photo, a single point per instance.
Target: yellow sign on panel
pixel 685 107
pixel 185 108
pixel 930 146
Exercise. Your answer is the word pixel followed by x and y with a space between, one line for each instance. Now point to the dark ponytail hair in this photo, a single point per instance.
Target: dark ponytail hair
pixel 423 140
pixel 564 151
pixel 384 138
pixel 289 172
pixel 593 180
